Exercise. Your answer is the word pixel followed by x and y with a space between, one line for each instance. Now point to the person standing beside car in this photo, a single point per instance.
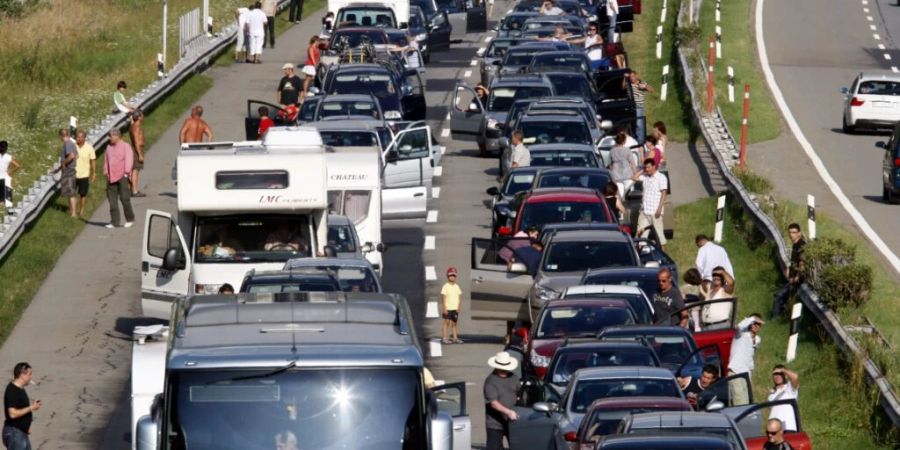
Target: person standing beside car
pixel 622 167
pixel 785 386
pixel 653 201
pixel 775 433
pixel 500 388
pixel 743 352
pixel 18 409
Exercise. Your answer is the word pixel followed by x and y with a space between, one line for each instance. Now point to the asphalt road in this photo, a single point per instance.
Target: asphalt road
pixel 814 49
pixel 75 333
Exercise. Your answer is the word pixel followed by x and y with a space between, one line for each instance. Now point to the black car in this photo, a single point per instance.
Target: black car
pixel 400 92
pixel 699 441
pixel 512 24
pixel 615 97
pixel 584 177
pixel 492 56
pixel 519 57
pixel 890 173
pixel 432 34
pixel 516 181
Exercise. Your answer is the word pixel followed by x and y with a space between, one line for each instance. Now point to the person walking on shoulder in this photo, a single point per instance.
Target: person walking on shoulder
pixel 257 21
pixel 312 61
pixel 8 165
pixel 85 169
pixel 117 165
pixel 743 352
pixel 137 144
pixel 451 296
pixel 709 256
pixel 296 11
pixel 18 409
pixel 195 128
pixel 519 156
pixel 656 186
pixel 269 8
pixel 793 271
pixel 500 389
pixel 639 88
pixel 67 157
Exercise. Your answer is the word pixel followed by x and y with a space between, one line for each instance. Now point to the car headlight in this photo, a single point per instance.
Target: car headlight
pixel 421 37
pixel 490 67
pixel 539 360
pixel 492 124
pixel 207 289
pixel 545 294
pixel 393 115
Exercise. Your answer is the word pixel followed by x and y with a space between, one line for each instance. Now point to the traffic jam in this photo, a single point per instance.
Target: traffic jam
pixel 601 351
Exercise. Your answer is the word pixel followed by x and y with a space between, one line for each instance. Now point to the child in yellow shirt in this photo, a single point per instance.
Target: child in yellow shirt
pixel 450 307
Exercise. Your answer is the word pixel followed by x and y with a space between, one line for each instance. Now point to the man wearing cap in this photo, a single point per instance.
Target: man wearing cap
pixel 499 397
pixel 289 86
pixel 743 351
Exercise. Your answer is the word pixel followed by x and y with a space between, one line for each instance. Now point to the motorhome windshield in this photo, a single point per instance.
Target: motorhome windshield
pixel 351 203
pixel 243 239
pixel 373 409
pixel 367 17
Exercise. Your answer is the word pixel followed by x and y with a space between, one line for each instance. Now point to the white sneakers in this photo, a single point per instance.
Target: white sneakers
pixel 127 225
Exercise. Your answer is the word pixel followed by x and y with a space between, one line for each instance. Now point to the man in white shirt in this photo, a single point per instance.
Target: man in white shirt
pixel 593 45
pixel 612 10
pixel 520 156
pixel 655 187
pixel 711 255
pixel 743 352
pixel 257 20
pixel 240 47
pixel 549 9
pixel 786 384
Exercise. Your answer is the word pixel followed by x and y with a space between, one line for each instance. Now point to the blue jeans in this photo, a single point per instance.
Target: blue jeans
pixel 640 126
pixel 611 33
pixel 15 439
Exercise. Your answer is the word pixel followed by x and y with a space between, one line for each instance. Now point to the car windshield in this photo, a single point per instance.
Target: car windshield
pixel 563 158
pixel 379 85
pixel 271 286
pixel 568 361
pixel 398 38
pixel 646 282
pixel 497 49
pixel 349 138
pixel 375 17
pixel 351 278
pixel 545 62
pixel 595 181
pixel 540 214
pixel 534 24
pixel 348 108
pixel 353 38
pixel 518 182
pixel 586 391
pixel 351 203
pixel 341 238
pixel 637 301
pixel 588 320
pixel 555 132
pixel 243 239
pixel 514 22
pixel 326 409
pixel 427 6
pixel 575 86
pixel 672 349
pixel 605 422
pixel 879 87
pixel 502 98
pixel 728 434
pixel 580 256
pixel 415 21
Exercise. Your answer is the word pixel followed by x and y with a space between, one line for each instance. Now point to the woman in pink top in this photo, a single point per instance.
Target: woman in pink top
pixel 651 150
pixel 312 61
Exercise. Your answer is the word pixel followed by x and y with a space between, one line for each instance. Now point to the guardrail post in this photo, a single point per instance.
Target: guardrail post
pixel 709 79
pixel 795 330
pixel 664 90
pixel 730 84
pixel 811 216
pixel 720 219
pixel 659 31
pixel 744 118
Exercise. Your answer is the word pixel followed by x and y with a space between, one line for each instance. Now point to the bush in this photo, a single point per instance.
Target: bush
pixel 830 268
pixel 755 183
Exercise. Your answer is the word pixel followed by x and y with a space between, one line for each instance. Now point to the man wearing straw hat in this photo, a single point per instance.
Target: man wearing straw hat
pixel 499 397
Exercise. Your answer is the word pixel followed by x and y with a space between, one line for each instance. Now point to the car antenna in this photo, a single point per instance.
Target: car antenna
pixel 293 332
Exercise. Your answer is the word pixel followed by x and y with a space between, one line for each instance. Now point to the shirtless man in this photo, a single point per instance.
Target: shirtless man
pixel 137 143
pixel 195 128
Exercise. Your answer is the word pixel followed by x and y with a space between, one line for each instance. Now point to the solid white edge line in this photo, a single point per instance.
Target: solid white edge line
pixel 857 217
pixel 430 273
pixel 429 242
pixel 431 311
pixel 438 171
pixel 435 192
pixel 432 216
pixel 467 74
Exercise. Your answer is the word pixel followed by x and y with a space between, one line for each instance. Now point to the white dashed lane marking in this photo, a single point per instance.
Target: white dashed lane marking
pixel 887 56
pixel 870 18
pixel 432 216
pixel 429 242
pixel 467 74
pixel 434 348
pixel 430 274
pixel 435 192
pixel 873 27
pixel 438 171
pixel 445 132
pixel 880 46
pixel 895 69
pixel 431 311
pixel 866 10
pixel 876 36
pixel 473 63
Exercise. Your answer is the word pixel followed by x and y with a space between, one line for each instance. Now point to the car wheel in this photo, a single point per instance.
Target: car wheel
pixel 845 127
pixel 885 194
pixel 889 196
pixel 482 149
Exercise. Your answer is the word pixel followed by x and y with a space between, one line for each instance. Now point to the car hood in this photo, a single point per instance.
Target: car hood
pixel 559 281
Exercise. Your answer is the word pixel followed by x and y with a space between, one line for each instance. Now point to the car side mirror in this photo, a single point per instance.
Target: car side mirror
pixel 518 267
pixel 496 62
pixel 404 25
pixel 503 142
pixel 881 145
pixel 313 90
pixel 368 247
pixel 714 406
pixel 845 91
pixel 544 407
pixel 606 125
pixel 172 260
pixel 493 191
pixel 380 247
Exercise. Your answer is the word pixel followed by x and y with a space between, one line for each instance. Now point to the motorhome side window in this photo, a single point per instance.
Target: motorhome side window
pixel 243 239
pixel 353 204
pixel 260 179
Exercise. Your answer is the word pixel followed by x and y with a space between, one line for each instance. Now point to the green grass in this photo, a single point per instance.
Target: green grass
pixel 738 51
pixel 641 47
pixel 38 249
pixel 834 415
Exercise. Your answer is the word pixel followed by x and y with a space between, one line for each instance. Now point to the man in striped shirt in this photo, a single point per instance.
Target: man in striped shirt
pixel 639 88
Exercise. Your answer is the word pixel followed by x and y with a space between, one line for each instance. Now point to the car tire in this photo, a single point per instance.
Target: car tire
pixel 889 196
pixel 885 194
pixel 845 127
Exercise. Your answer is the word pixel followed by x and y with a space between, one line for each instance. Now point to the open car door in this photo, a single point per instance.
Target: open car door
pixel 497 293
pixel 735 393
pixel 451 399
pixel 466 114
pixel 407 174
pixel 717 324
pixel 534 429
pixel 165 265
pixel 456 15
pixel 476 16
pixel 413 101
pixel 251 120
pixel 751 420
pixel 439 31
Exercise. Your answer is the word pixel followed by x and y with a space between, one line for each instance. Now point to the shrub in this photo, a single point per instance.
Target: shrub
pixel 830 268
pixel 754 182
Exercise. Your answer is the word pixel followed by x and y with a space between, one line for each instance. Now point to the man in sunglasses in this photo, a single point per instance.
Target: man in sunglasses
pixel 775 432
pixel 593 46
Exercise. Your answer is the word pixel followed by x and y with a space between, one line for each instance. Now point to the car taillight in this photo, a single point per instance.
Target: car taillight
pixel 504 231
pixel 625 229
pixel 570 436
pixel 896 162
pixel 855 101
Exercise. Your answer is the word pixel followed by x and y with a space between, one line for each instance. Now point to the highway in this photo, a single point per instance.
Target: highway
pixel 76 331
pixel 814 48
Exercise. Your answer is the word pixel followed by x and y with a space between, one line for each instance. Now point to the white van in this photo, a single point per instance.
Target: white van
pixel 399 7
pixel 241 206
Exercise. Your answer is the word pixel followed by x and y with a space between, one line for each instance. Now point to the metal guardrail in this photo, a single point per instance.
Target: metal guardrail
pixel 42 190
pixel 721 143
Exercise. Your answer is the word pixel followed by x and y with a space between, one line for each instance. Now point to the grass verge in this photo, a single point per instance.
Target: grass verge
pixel 38 249
pixel 738 51
pixel 837 410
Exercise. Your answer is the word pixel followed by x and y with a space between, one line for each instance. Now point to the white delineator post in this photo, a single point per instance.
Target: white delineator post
pixel 730 84
pixel 720 219
pixel 659 31
pixel 664 90
pixel 73 125
pixel 160 65
pixel 795 330
pixel 161 57
pixel 205 17
pixel 718 42
pixel 811 216
pixel 718 11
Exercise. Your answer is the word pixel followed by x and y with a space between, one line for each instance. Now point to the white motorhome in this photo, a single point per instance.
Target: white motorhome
pixel 241 206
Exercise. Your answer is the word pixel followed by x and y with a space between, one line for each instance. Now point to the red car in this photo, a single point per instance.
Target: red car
pixel 559 205
pixel 604 415
pixel 563 319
